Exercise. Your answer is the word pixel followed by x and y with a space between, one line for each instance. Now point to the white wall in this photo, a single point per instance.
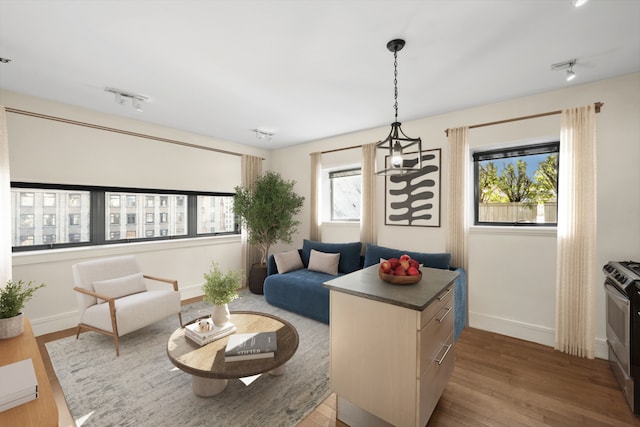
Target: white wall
pixel 512 272
pixel 47 151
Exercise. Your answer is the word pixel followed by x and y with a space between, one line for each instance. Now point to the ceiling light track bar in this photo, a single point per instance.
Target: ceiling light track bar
pixel 120 131
pixel 597 105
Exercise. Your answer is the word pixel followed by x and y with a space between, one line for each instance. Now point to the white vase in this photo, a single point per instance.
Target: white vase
pixel 220 314
pixel 12 326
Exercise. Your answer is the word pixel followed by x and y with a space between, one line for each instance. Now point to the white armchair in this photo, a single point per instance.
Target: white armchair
pixel 114 300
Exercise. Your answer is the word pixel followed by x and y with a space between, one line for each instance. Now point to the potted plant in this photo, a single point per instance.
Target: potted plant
pixel 220 289
pixel 267 209
pixel 13 297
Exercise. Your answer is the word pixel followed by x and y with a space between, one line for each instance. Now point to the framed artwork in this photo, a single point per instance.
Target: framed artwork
pixel 413 198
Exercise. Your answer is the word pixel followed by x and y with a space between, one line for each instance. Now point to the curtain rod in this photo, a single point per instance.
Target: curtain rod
pixel 335 150
pixel 120 131
pixel 598 106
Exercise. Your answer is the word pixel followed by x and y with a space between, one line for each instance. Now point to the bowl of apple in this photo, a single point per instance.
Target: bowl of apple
pixel 400 271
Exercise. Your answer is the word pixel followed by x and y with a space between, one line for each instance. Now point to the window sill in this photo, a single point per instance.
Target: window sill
pixel 513 230
pixel 52 255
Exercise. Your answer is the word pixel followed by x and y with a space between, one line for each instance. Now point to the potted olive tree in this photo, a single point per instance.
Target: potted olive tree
pixel 13 297
pixel 220 289
pixel 267 208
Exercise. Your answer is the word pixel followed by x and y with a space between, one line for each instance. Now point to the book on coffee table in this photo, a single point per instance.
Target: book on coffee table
pixel 195 333
pixel 249 346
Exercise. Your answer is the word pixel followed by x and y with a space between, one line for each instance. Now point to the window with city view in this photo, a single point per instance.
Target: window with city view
pixel 48 216
pixel 517 185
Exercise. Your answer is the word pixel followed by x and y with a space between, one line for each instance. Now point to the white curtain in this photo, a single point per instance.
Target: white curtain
pixel 251 169
pixel 458 201
pixel 576 243
pixel 314 227
pixel 368 230
pixel 5 202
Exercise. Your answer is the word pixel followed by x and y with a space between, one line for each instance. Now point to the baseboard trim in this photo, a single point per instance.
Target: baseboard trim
pixel 526 331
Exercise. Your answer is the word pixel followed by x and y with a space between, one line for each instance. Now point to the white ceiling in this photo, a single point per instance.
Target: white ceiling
pixel 306 69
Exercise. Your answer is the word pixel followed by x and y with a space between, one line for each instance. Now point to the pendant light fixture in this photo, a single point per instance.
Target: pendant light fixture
pixel 397 144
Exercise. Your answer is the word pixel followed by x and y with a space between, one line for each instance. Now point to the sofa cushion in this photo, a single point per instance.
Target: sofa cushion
pixel 120 286
pixel 323 262
pixel 349 253
pixel 435 260
pixel 300 292
pixel 288 261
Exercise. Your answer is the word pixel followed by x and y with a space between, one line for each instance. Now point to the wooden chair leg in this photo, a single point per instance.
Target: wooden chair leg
pixel 115 340
pixel 180 318
pixel 78 332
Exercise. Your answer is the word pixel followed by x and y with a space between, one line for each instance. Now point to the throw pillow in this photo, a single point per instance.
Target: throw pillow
pixel 349 253
pixel 288 261
pixel 120 287
pixel 324 262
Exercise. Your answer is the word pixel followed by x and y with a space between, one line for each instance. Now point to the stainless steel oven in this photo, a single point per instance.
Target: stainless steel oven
pixel 622 287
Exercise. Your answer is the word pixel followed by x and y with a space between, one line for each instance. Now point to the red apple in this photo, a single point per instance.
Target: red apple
pixel 385 266
pixel 412 271
pixel 405 257
pixel 414 263
pixel 400 271
pixel 404 264
pixel 394 263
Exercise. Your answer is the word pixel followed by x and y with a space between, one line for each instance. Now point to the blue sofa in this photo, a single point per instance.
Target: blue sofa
pixel 301 291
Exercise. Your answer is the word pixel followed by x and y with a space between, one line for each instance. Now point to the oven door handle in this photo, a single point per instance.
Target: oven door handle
pixel 613 292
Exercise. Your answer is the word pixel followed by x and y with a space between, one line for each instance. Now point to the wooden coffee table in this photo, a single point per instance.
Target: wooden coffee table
pixel 207 365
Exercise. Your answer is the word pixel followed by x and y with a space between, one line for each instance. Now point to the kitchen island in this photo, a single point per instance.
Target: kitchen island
pixel 391 348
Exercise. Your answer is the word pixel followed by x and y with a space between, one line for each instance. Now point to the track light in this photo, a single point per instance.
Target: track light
pixel 570 75
pixel 261 134
pixel 567 66
pixel 123 97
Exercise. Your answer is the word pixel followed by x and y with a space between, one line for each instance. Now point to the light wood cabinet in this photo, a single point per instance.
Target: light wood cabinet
pixel 392 351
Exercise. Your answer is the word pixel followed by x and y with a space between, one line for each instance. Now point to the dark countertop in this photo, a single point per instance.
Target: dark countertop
pixel 366 283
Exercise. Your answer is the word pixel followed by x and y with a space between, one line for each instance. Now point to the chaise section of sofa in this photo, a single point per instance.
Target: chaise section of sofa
pixel 301 291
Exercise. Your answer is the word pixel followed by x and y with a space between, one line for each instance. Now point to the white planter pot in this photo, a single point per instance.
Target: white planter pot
pixel 12 326
pixel 220 314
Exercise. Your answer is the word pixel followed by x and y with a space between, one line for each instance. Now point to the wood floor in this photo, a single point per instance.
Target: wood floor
pixel 497 381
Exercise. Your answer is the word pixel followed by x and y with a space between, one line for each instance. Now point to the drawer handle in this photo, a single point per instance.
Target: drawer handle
pixel 445 314
pixel 441 297
pixel 439 361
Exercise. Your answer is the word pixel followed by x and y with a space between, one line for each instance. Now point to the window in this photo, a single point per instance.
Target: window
pixel 49 220
pixel 49 200
pixel 37 211
pixel 345 189
pixel 517 185
pixel 26 199
pixel 99 215
pixel 215 214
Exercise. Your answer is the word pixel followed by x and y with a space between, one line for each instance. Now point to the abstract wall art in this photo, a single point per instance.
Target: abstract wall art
pixel 413 198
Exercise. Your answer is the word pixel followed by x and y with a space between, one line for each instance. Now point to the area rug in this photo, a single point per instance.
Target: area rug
pixel 143 388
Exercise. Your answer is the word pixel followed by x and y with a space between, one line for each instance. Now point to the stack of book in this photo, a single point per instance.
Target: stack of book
pixel 257 345
pixel 203 336
pixel 19 384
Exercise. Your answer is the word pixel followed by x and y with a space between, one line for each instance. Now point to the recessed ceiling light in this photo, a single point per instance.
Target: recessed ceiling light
pixel 578 3
pixel 5 60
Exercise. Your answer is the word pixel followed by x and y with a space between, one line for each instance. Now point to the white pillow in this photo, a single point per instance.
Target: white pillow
pixel 120 287
pixel 288 261
pixel 324 262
